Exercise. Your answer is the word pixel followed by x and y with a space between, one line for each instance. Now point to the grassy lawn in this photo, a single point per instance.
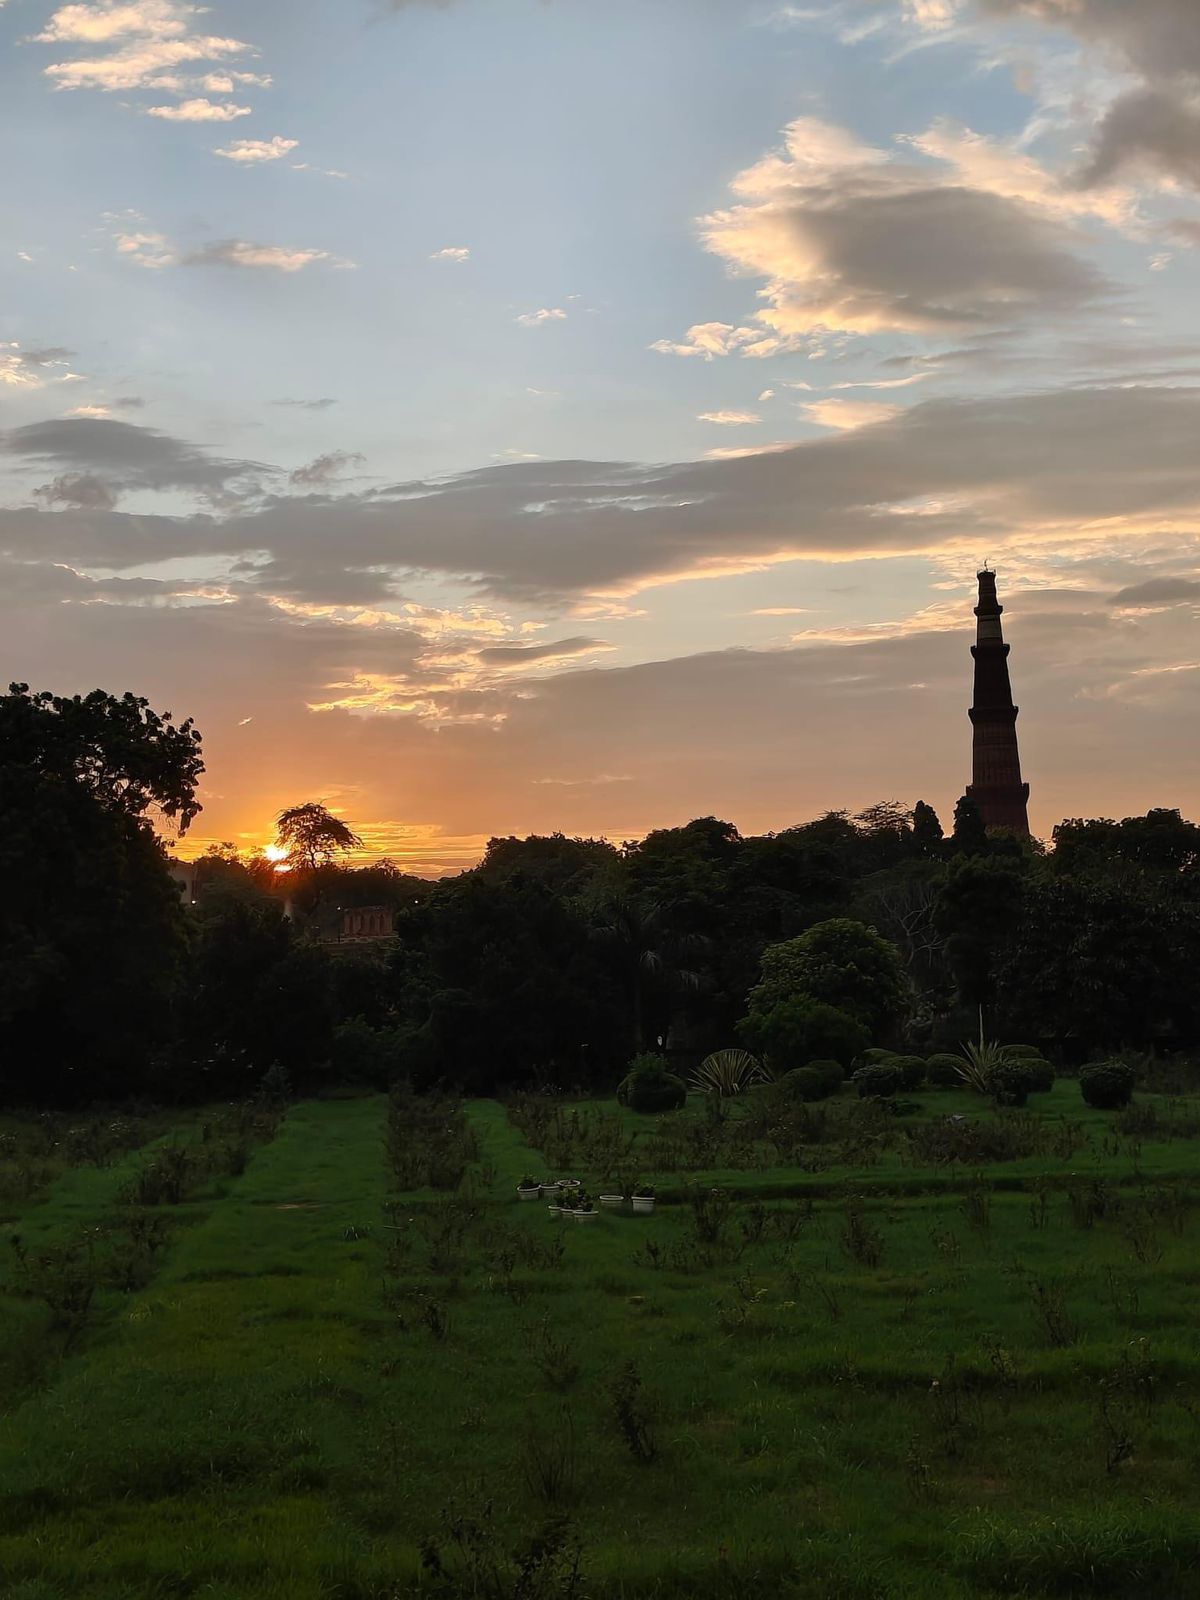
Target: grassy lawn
pixel 895 1380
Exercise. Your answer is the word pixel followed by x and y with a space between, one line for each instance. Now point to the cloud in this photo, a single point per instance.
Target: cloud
pixel 27 369
pixel 847 414
pixel 1153 128
pixel 1159 38
pixel 107 20
pixel 1158 592
pixel 536 319
pixel 851 240
pixel 452 252
pixel 945 479
pixel 244 253
pixel 708 340
pixel 729 419
pixel 737 452
pixel 88 411
pixel 321 404
pixel 515 655
pixel 251 151
pixel 199 111
pixel 137 66
pixel 84 491
pixel 141 44
pixel 1151 131
pixel 326 469
pixel 128 457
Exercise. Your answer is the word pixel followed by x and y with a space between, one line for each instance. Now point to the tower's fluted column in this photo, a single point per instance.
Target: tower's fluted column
pixel 996 785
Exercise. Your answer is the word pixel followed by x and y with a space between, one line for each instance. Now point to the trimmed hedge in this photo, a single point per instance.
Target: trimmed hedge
pixel 873 1057
pixel 803 1083
pixel 880 1078
pixel 1106 1085
pixel 648 1086
pixel 831 1072
pixel 942 1071
pixel 911 1070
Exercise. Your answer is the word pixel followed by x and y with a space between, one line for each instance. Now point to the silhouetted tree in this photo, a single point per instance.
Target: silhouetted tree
pixel 970 835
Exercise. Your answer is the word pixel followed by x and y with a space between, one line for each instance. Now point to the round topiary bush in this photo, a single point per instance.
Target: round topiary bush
pixel 882 1079
pixel 648 1086
pixel 1106 1085
pixel 1010 1082
pixel 911 1070
pixel 873 1057
pixel 803 1083
pixel 831 1074
pixel 942 1071
pixel 1041 1074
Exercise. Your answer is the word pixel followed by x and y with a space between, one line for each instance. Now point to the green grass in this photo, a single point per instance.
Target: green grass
pixel 291 1405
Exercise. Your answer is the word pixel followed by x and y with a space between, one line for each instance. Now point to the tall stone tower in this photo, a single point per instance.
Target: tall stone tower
pixel 995 786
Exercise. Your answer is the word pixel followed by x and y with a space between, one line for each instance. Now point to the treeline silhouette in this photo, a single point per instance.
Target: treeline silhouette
pixel 556 960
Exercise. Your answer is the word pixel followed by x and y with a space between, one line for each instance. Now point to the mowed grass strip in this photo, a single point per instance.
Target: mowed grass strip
pixel 77 1199
pixel 198 1434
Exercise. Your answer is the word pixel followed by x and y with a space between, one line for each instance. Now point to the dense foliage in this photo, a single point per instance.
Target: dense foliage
pixel 556 961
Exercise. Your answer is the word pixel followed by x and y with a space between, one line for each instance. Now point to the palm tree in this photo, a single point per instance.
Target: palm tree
pixel 656 962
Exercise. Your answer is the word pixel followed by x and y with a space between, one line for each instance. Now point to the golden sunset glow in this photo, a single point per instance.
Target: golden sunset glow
pixel 817 363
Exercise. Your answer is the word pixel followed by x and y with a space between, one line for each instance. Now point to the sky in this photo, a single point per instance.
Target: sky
pixel 498 416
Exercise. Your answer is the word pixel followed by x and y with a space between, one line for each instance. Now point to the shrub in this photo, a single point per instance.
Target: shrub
pixel 831 1072
pixel 648 1086
pixel 727 1072
pixel 1025 1052
pixel 839 963
pixel 803 1083
pixel 880 1079
pixel 911 1070
pixel 1106 1085
pixel 1010 1081
pixel 800 1030
pixel 942 1071
pixel 1041 1074
pixel 873 1057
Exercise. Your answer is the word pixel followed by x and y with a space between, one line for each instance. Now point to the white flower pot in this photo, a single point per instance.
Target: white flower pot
pixel 529 1194
pixel 643 1203
pixel 612 1199
pixel 586 1216
pixel 551 1188
pixel 556 1211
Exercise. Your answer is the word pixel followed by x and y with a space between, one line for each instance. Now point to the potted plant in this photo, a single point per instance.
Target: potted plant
pixel 551 1186
pixel 529 1189
pixel 584 1210
pixel 612 1199
pixel 643 1198
pixel 570 1186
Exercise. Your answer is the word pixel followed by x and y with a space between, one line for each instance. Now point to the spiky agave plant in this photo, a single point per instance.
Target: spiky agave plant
pixel 728 1072
pixel 982 1061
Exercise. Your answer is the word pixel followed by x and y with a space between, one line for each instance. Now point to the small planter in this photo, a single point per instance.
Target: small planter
pixel 586 1216
pixel 570 1185
pixel 551 1188
pixel 643 1203
pixel 612 1199
pixel 556 1211
pixel 529 1194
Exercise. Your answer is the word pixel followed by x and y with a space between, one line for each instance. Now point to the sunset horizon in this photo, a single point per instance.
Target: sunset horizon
pixel 479 460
